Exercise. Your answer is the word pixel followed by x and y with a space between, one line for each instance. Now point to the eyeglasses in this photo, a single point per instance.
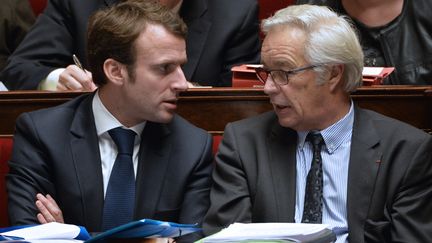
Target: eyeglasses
pixel 280 77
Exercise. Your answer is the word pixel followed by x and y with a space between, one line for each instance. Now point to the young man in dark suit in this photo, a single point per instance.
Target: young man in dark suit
pixel 221 34
pixel 318 158
pixel 136 50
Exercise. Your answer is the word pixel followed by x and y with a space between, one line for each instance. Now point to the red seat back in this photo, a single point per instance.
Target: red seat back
pixel 216 140
pixel 268 7
pixel 5 153
pixel 38 6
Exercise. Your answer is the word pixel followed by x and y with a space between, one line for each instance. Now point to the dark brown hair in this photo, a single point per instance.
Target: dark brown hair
pixel 112 33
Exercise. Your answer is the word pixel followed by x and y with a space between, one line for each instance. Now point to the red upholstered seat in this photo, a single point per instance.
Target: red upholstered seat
pixel 216 140
pixel 38 6
pixel 268 7
pixel 5 153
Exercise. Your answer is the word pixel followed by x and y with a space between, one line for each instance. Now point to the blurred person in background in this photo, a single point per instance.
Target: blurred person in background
pixel 221 34
pixel 16 18
pixel 393 33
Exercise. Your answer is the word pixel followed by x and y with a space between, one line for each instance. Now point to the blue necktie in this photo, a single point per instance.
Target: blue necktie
pixel 119 201
pixel 312 211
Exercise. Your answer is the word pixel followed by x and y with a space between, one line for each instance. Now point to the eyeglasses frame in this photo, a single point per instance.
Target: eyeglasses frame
pixel 287 73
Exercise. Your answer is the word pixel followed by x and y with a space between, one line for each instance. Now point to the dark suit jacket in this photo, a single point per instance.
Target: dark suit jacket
pixel 389 178
pixel 221 34
pixel 16 18
pixel 56 151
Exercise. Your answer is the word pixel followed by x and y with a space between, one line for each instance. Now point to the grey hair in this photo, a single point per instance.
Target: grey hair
pixel 330 39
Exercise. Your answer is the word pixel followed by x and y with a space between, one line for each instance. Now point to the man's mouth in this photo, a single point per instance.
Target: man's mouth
pixel 172 101
pixel 281 106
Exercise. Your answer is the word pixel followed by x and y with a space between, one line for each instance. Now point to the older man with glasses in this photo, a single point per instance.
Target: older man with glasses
pixel 318 158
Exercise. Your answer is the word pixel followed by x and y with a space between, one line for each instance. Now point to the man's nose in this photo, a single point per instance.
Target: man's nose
pixel 181 83
pixel 270 86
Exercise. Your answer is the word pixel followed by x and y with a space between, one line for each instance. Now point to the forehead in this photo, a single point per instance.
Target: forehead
pixel 156 43
pixel 283 45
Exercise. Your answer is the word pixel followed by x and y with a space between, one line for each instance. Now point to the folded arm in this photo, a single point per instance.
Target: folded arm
pixel 29 174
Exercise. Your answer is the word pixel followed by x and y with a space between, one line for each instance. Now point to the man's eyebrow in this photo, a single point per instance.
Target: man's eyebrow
pixel 279 64
pixel 171 61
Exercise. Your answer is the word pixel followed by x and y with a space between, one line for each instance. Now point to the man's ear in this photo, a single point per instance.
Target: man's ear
pixel 336 76
pixel 115 71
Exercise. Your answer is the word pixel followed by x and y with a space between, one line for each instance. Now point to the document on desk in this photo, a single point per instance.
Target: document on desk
pixel 56 232
pixel 45 233
pixel 273 232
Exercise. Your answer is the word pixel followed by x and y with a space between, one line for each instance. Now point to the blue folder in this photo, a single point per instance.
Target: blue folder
pixel 146 228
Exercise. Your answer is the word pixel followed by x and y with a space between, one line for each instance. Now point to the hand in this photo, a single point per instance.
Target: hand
pixel 49 211
pixel 74 78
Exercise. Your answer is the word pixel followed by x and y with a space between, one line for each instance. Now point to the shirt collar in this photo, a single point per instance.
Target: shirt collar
pixel 335 134
pixel 105 121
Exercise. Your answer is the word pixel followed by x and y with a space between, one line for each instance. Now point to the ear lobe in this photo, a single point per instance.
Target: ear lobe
pixel 336 76
pixel 115 71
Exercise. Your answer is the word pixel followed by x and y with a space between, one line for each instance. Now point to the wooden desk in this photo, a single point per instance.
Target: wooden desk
pixel 211 109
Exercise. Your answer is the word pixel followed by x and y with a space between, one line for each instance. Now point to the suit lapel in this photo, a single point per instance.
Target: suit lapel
pixel 153 161
pixel 192 12
pixel 282 144
pixel 363 168
pixel 86 157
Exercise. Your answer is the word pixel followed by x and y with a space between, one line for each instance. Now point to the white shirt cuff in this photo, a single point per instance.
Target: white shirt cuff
pixel 51 81
pixel 2 87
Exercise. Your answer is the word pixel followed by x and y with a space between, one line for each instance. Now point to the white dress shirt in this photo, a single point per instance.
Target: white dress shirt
pixel 104 122
pixel 335 156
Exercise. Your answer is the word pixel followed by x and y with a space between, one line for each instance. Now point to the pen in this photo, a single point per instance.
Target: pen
pixel 77 62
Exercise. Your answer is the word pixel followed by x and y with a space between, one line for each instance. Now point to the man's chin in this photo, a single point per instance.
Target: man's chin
pixel 284 122
pixel 166 117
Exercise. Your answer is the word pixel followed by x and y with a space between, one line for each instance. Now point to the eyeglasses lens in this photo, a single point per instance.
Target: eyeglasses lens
pixel 262 74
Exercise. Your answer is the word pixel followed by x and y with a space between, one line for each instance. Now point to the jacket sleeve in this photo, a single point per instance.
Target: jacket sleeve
pixel 411 209
pixel 196 198
pixel 29 173
pixel 229 196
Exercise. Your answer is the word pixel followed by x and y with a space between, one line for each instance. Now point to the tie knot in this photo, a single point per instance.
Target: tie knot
pixel 124 139
pixel 315 138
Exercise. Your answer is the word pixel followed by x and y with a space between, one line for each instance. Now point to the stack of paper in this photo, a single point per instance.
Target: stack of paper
pixel 273 232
